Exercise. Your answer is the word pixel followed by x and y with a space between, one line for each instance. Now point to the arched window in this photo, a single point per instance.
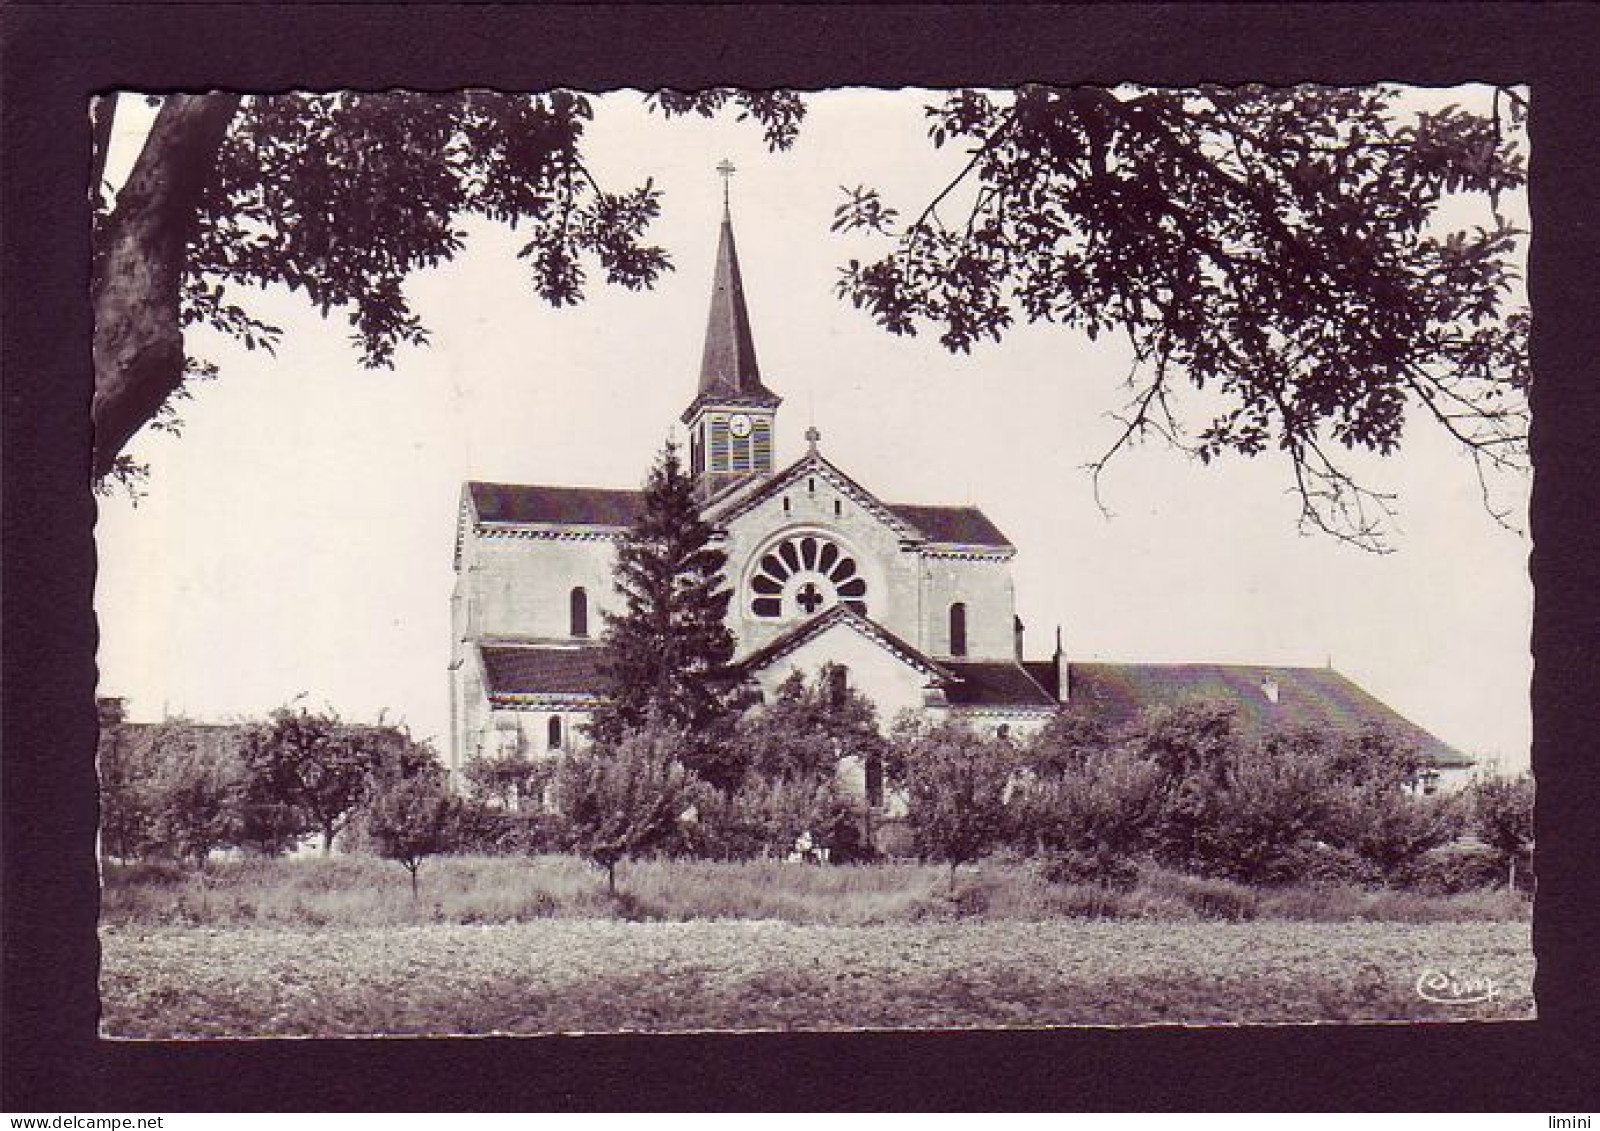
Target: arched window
pixel 1002 731
pixel 958 629
pixel 580 612
pixel 553 733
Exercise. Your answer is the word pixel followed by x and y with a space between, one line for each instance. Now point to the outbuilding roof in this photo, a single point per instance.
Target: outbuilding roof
pixel 1266 698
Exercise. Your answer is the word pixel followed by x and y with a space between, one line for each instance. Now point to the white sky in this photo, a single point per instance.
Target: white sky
pixel 297 537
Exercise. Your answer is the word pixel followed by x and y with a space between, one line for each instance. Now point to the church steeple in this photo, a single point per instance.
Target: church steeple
pixel 731 417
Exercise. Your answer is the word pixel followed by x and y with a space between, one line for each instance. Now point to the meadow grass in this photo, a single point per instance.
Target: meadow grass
pixel 358 891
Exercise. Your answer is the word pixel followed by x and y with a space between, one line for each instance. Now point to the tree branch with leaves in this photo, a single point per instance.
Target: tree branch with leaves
pixel 1285 250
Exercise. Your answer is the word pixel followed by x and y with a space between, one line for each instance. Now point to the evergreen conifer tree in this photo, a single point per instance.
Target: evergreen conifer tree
pixel 667 654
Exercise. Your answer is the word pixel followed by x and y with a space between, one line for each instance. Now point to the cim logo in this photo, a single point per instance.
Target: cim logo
pixel 1446 987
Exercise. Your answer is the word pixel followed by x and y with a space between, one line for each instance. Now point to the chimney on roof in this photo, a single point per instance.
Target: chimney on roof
pixel 1269 688
pixel 1017 630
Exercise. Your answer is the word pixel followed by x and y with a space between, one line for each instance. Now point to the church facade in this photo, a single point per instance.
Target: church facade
pixel 915 603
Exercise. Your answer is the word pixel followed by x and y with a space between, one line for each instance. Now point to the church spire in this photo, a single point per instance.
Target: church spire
pixel 729 372
pixel 731 419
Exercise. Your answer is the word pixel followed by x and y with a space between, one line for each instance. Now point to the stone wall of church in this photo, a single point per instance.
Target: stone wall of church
pixel 984 586
pixel 523 586
pixel 891 684
pixel 817 507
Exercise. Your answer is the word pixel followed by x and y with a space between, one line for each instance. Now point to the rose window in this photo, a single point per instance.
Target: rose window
pixel 803 575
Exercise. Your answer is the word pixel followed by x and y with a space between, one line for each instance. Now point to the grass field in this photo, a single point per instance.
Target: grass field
pixel 352 891
pixel 330 947
pixel 603 975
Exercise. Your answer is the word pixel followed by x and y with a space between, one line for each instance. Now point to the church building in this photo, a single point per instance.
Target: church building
pixel 914 603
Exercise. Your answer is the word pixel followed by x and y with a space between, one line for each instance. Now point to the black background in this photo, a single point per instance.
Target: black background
pixel 55 56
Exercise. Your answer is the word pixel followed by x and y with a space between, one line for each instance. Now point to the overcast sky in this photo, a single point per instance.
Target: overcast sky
pixel 297 537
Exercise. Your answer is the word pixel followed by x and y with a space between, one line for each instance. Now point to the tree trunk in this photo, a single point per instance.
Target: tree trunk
pixel 139 268
pixel 327 840
pixel 413 872
pixel 102 115
pixel 611 878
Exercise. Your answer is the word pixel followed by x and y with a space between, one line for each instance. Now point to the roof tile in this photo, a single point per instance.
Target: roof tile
pixel 1306 697
pixel 994 683
pixel 542 670
pixel 577 506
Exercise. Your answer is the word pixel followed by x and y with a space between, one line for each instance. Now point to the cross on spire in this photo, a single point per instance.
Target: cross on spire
pixel 725 167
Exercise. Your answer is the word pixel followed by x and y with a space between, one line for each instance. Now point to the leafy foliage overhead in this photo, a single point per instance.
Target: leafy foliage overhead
pixel 1283 248
pixel 342 196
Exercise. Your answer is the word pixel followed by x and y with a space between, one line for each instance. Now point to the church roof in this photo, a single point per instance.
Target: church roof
pixel 966 526
pixel 533 503
pixel 1319 698
pixel 729 373
pixel 814 626
pixel 994 683
pixel 607 506
pixel 522 669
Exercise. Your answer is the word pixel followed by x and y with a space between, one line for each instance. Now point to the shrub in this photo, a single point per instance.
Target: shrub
pixel 768 818
pixel 410 819
pixel 510 782
pixel 1071 866
pixel 1386 829
pixel 958 783
pixel 1502 815
pixel 482 830
pixel 624 801
pixel 1455 869
pixel 1064 743
pixel 1263 811
pixel 1092 818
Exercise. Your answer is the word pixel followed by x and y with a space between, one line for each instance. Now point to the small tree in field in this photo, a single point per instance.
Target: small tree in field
pixel 411 818
pixel 308 772
pixel 1503 817
pixel 623 801
pixel 666 655
pixel 193 792
pixel 1191 742
pixel 958 784
pixel 126 816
